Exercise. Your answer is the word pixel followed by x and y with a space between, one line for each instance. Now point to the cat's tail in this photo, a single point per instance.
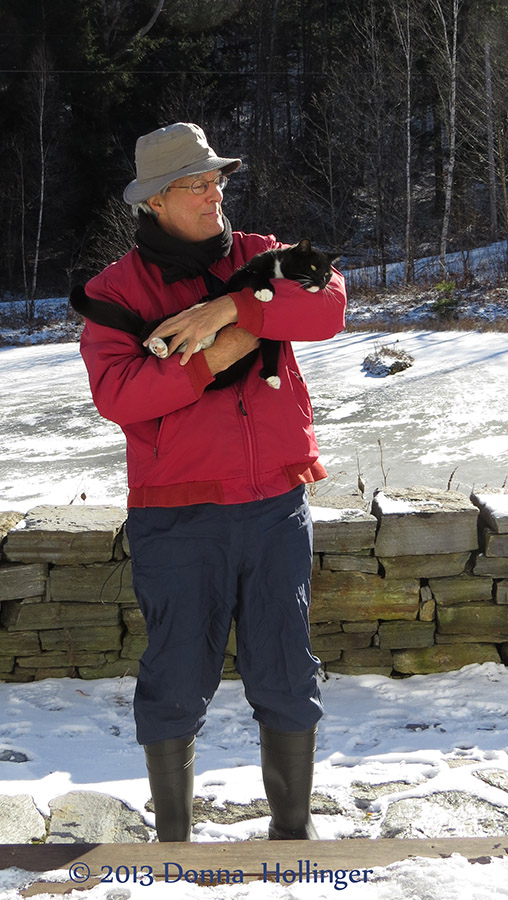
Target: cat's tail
pixel 111 314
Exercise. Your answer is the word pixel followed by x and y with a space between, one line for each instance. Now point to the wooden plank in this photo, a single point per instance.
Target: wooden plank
pixel 207 863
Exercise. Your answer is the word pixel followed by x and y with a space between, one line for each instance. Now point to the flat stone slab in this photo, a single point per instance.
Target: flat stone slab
pixel 461 589
pixel 493 506
pixel 452 814
pixel 423 521
pixel 20 820
pixel 342 530
pixel 433 565
pixel 354 596
pixel 92 817
pixel 443 658
pixel 20 582
pixel 65 534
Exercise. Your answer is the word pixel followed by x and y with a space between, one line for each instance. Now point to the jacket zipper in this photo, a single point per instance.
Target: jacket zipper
pixel 156 445
pixel 250 445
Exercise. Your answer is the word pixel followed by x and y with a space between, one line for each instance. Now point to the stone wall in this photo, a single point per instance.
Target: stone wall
pixel 418 583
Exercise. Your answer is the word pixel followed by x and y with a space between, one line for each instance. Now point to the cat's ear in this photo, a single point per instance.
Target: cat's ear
pixel 333 256
pixel 304 246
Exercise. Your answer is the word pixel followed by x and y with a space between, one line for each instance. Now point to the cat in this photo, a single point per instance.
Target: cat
pixel 299 262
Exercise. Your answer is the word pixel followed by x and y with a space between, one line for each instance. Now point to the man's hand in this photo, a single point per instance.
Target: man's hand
pixel 230 345
pixel 195 324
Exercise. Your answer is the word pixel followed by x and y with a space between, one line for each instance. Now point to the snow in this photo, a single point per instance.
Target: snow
pixel 447 413
pixel 428 733
pixel 486 262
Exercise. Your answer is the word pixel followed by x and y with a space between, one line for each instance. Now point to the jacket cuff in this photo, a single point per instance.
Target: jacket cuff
pixel 250 311
pixel 198 372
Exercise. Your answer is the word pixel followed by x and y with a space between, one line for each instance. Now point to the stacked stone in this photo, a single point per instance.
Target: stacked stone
pixel 348 596
pixel 492 560
pixel 433 536
pixel 67 606
pixel 417 584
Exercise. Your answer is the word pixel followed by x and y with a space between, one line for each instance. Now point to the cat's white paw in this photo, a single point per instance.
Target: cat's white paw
pixel 274 382
pixel 158 348
pixel 265 295
pixel 313 288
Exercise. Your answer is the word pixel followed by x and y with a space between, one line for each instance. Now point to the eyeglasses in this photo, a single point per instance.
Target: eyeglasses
pixel 201 185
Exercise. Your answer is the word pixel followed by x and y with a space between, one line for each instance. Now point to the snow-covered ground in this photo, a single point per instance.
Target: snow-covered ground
pixel 448 412
pixel 422 736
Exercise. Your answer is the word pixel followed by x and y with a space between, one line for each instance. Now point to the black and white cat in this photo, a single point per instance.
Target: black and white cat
pixel 301 262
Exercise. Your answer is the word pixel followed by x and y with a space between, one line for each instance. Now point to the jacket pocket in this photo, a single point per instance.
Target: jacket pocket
pixel 301 394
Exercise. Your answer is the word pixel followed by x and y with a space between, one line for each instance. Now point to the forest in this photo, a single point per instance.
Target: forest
pixel 378 128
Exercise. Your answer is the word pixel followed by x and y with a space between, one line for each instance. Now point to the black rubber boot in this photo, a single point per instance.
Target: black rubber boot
pixel 170 766
pixel 287 762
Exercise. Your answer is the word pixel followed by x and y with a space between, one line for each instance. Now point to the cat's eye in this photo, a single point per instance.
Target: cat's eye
pixel 314 268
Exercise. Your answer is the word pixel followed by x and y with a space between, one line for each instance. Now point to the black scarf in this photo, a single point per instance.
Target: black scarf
pixel 177 258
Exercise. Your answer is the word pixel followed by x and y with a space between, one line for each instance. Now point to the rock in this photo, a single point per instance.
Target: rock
pixel 398 635
pixel 473 618
pixel 443 814
pixel 496 567
pixel 356 627
pixel 114 669
pixel 501 592
pixel 387 361
pixel 91 818
pixel 134 645
pixel 442 658
pixel 20 820
pixel 423 521
pixel 329 647
pixel 358 562
pixel 352 596
pixel 18 643
pixel 463 589
pixel 493 506
pixel 100 583
pixel 134 621
pixel 18 616
pixel 370 656
pixel 339 668
pixel 65 534
pixel 433 565
pixel 494 544
pixel 497 778
pixel 88 637
pixel 342 530
pixel 8 520
pixel 19 582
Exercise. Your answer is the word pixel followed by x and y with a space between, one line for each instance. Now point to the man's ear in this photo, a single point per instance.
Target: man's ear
pixel 155 202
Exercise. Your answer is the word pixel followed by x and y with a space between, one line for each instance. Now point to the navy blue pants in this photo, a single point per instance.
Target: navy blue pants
pixel 195 569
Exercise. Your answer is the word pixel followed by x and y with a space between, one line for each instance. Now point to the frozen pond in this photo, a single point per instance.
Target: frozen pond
pixel 449 411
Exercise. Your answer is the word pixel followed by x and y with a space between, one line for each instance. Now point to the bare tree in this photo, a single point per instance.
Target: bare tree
pixel 403 29
pixel 445 42
pixel 35 148
pixel 490 144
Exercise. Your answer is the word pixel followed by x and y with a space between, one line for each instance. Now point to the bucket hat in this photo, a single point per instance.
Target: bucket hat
pixel 169 153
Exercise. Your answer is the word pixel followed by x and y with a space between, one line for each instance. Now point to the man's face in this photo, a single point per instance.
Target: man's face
pixel 188 216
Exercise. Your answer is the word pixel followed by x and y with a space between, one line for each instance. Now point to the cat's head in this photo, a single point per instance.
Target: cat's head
pixel 308 265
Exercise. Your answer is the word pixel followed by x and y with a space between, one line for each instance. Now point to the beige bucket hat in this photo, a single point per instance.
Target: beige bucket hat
pixel 170 153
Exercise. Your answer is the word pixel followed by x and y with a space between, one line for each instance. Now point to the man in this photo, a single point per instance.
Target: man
pixel 218 524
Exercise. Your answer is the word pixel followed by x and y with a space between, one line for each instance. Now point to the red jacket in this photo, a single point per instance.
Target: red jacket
pixel 234 445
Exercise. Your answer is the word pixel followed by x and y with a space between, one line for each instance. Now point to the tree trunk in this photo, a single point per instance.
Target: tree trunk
pixel 490 145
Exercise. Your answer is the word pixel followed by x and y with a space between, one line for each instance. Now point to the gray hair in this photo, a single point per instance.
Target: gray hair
pixel 145 207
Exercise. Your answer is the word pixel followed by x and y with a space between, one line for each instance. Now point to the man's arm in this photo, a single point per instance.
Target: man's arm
pixel 293 314
pixel 130 386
